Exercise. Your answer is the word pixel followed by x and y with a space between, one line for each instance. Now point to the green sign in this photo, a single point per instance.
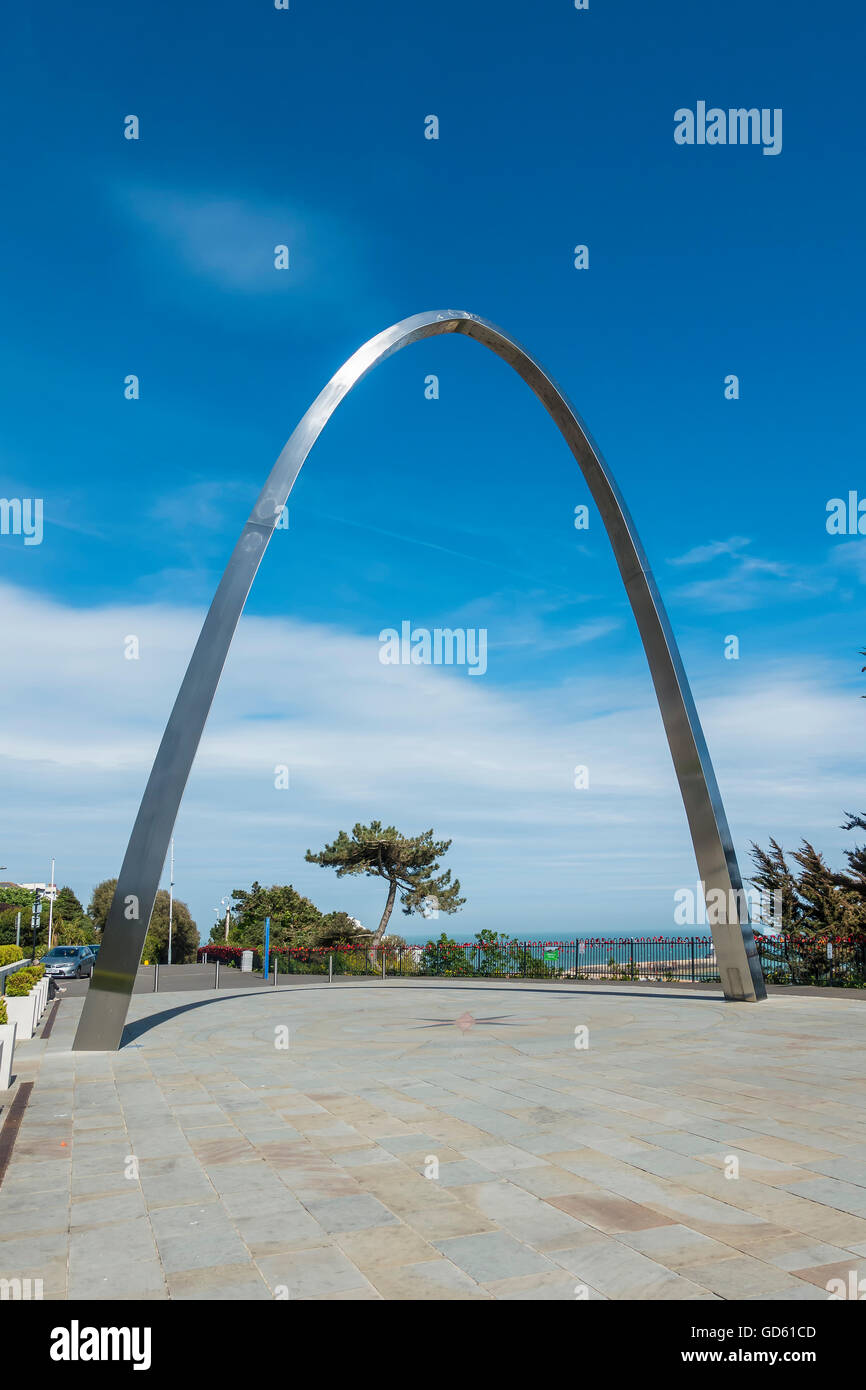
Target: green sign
pixel 551 954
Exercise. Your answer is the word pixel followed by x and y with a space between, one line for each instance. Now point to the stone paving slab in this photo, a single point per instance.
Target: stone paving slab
pixel 695 1150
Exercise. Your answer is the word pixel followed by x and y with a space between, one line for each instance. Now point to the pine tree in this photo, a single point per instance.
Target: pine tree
pixel 66 906
pixel 409 865
pixel 774 876
pixel 856 857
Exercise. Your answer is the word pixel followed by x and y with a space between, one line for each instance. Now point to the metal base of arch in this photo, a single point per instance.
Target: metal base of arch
pixel 107 1001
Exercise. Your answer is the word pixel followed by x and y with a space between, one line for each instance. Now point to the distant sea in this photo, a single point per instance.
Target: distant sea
pixel 414 937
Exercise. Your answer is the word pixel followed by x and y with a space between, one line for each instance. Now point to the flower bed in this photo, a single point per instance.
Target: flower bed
pixel 228 955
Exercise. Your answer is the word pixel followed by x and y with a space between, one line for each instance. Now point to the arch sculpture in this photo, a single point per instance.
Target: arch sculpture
pixel 107 1001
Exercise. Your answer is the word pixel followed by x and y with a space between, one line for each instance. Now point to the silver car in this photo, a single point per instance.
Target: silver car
pixel 68 961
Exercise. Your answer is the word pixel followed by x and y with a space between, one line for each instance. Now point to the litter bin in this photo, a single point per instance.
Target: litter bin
pixel 247 961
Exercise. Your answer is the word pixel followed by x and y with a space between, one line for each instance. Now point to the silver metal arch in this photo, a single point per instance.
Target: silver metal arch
pixel 107 1000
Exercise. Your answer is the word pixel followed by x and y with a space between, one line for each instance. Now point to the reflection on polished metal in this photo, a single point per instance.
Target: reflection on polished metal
pixel 107 1001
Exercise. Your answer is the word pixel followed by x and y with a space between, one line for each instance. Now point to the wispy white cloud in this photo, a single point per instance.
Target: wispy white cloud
pixel 848 558
pixel 228 240
pixel 702 554
pixel 203 506
pixel 489 765
pixel 741 580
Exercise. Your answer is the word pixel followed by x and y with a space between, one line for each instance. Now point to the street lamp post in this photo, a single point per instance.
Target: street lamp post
pixel 224 903
pixel 51 905
pixel 170 898
pixel 34 918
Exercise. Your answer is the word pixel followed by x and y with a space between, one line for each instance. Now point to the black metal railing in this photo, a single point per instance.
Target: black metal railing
pixel 814 960
pixel 800 960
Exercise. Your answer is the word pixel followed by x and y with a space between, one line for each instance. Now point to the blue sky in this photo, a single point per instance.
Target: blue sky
pixel 155 257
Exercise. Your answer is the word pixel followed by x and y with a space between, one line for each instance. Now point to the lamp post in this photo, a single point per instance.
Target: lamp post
pixel 34 917
pixel 170 898
pixel 224 903
pixel 51 905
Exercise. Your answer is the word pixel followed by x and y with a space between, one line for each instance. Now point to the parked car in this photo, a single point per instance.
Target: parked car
pixel 68 961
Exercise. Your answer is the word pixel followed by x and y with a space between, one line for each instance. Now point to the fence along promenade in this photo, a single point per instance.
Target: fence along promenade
pixel 785 959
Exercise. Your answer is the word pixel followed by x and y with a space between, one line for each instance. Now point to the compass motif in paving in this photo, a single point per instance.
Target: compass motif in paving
pixel 466 1022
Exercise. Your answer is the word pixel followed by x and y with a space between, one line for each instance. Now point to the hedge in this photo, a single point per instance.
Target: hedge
pixel 19 984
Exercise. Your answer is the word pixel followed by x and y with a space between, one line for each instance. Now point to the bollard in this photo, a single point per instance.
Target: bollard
pixel 155 976
pixel 216 974
pixel 383 965
pixel 330 970
pixel 275 969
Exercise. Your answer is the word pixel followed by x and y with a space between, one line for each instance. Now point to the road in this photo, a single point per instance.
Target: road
pixel 178 977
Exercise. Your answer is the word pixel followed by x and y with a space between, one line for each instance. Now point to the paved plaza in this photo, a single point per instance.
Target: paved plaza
pixel 395 1140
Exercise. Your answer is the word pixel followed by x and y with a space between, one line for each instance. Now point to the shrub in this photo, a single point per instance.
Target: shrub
pixel 27 977
pixel 3 1018
pixel 18 984
pixel 351 960
pixel 445 957
pixel 311 960
pixel 10 954
pixel 227 955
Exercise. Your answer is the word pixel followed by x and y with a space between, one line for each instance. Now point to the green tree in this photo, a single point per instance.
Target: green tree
pixel 817 903
pixel 829 904
pixel 100 902
pixel 67 906
pixel 773 875
pixel 184 932
pixel 67 916
pixel 408 864
pixel 445 957
pixel 338 928
pixel 15 899
pixel 855 881
pixel 295 921
pixel 79 931
pixel 815 899
pixel 7 924
pixel 13 895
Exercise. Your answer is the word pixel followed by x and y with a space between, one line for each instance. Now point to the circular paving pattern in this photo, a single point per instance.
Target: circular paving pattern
pixel 447 1141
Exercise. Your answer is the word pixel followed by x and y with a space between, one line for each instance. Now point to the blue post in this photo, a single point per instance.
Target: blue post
pixel 267 949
